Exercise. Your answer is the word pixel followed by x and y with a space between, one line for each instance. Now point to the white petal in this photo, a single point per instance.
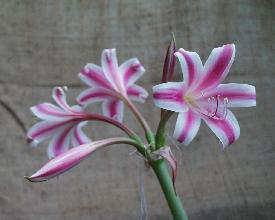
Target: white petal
pixel 238 95
pixel 60 142
pixel 59 97
pixel 187 126
pixel 227 130
pixel 113 109
pixel 92 95
pixel 131 70
pixel 217 67
pixel 78 136
pixel 170 96
pixel 45 129
pixel 137 93
pixel 93 76
pixel 110 69
pixel 191 66
pixel 48 111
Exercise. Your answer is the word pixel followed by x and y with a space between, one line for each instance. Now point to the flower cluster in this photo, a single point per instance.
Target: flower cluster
pixel 109 84
pixel 201 96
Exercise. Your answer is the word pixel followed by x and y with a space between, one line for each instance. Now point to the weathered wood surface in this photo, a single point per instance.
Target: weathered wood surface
pixel 45 43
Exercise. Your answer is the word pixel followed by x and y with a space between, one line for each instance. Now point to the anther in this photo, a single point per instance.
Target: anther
pixel 215 107
pixel 65 88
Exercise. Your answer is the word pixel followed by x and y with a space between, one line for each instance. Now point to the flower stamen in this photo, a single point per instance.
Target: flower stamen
pixel 215 107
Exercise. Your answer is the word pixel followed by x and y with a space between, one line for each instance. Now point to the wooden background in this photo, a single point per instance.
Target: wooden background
pixel 45 43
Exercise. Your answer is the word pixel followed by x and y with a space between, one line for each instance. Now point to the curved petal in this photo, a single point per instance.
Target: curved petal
pixel 43 130
pixel 191 66
pixel 170 96
pixel 137 93
pixel 187 126
pixel 217 67
pixel 78 110
pixel 78 136
pixel 59 97
pixel 69 159
pixel 131 70
pixel 93 76
pixel 113 109
pixel 238 95
pixel 50 112
pixel 110 69
pixel 60 142
pixel 64 162
pixel 92 95
pixel 227 130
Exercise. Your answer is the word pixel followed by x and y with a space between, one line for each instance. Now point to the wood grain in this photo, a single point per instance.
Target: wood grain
pixel 45 43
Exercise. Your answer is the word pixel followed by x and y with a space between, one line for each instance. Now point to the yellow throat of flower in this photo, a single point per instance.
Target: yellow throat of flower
pixel 190 101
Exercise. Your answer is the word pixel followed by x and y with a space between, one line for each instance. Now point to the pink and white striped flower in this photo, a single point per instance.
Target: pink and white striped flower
pixel 112 84
pixel 61 123
pixel 201 96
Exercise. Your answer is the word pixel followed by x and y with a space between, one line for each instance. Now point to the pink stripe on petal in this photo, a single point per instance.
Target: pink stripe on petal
pixel 217 66
pixel 113 109
pixel 48 111
pixel 227 130
pixel 60 142
pixel 94 95
pixel 238 95
pixel 187 127
pixel 43 130
pixel 191 66
pixel 69 159
pixel 110 69
pixel 170 96
pixel 63 162
pixel 93 75
pixel 137 93
pixel 59 97
pixel 131 70
pixel 78 136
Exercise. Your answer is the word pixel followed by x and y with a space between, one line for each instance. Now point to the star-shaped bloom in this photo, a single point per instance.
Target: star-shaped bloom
pixel 62 124
pixel 112 84
pixel 202 96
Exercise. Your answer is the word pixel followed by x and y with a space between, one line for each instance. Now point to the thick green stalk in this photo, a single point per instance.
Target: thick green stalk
pixel 160 138
pixel 163 175
pixel 165 181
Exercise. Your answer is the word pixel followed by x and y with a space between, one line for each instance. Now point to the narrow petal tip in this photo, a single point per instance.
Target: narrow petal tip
pixel 34 180
pixel 32 142
pixel 29 178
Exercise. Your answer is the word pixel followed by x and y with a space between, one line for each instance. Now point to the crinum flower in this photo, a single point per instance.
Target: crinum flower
pixel 202 96
pixel 61 124
pixel 112 84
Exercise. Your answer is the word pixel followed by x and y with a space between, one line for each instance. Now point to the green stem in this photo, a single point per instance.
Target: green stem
pixel 160 135
pixel 140 145
pixel 162 173
pixel 148 132
pixel 96 117
pixel 165 181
